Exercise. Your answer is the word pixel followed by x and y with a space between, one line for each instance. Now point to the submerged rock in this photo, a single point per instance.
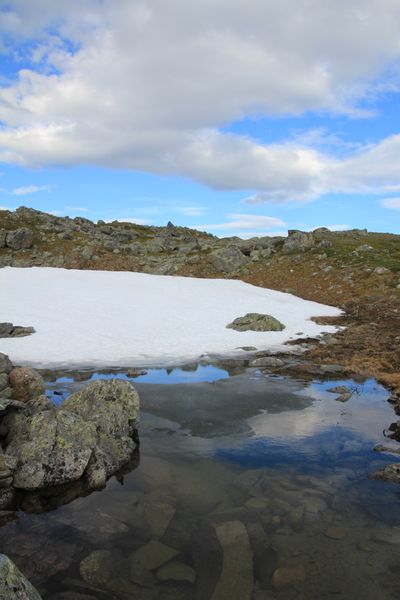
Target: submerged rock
pixel 256 322
pixel 13 584
pixel 236 580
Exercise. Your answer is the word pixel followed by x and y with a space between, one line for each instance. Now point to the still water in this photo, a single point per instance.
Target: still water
pixel 247 487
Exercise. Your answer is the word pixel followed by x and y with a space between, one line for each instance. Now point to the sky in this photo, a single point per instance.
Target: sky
pixel 235 117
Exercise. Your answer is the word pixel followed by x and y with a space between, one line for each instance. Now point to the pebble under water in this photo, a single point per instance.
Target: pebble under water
pixel 250 486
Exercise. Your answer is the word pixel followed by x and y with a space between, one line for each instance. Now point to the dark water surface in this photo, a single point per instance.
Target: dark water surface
pixel 248 486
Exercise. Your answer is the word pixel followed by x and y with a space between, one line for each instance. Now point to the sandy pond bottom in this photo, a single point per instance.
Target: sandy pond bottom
pixel 248 486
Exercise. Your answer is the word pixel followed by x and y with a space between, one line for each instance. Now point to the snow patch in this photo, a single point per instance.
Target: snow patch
pixel 104 318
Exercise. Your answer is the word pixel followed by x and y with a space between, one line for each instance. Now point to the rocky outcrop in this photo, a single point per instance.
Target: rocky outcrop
pixel 227 260
pixel 13 584
pixel 298 240
pixel 256 322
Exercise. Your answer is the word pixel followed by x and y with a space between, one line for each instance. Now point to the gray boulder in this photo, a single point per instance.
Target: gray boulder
pixel 228 260
pixel 20 239
pixel 256 322
pixel 92 436
pixel 298 240
pixel 26 383
pixel 51 448
pixel 14 585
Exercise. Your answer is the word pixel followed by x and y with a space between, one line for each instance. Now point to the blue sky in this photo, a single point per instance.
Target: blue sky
pixel 236 118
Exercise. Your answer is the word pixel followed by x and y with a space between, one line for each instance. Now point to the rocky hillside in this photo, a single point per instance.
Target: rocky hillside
pixel 356 270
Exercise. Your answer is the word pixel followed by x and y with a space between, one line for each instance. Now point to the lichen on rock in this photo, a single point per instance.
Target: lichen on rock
pixel 256 322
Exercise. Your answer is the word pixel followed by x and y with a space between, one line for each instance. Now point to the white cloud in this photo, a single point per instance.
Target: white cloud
pixel 189 211
pixel 237 222
pixel 25 190
pixel 145 86
pixel 391 203
pixel 77 208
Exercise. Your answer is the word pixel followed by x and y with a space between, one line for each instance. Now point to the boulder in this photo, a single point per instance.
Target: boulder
pixel 256 322
pixel 13 584
pixel 91 436
pixel 20 239
pixel 26 383
pixel 298 240
pixel 227 260
pixel 51 448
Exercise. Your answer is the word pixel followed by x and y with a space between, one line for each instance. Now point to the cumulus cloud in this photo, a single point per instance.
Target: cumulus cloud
pixel 393 203
pixel 146 86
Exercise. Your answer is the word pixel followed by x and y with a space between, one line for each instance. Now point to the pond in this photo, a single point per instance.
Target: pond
pixel 247 486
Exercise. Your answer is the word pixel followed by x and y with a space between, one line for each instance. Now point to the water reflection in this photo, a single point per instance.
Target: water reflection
pixel 249 487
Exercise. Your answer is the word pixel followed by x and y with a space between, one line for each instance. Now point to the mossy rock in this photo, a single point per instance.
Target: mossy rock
pixel 256 322
pixel 14 585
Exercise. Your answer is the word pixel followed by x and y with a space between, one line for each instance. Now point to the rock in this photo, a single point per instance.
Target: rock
pixel 13 584
pixel 152 555
pixel 267 361
pixel 3 236
pixel 19 331
pixel 336 533
pixel 236 579
pixel 26 383
pixel 51 447
pixel 20 239
pixel 381 270
pixel 108 572
pixel 112 406
pixel 5 363
pixel 389 473
pixel 228 260
pixel 158 515
pixel 339 389
pixel 3 381
pixel 344 397
pixel 256 322
pixel 288 576
pixel 364 248
pixel 6 329
pixel 176 571
pixel 382 448
pixel 298 240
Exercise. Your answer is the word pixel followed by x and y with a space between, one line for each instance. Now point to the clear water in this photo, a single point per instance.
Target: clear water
pixel 257 484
